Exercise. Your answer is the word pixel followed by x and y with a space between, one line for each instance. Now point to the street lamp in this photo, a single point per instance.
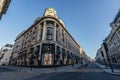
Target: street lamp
pixel 106 49
pixel 72 60
pixel 31 61
pixel 55 61
pixel 82 61
pixel 103 58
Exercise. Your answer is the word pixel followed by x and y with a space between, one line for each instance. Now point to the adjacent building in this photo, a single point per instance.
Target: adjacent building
pixel 83 57
pixel 101 56
pixel 4 4
pixel 113 41
pixel 5 54
pixel 45 43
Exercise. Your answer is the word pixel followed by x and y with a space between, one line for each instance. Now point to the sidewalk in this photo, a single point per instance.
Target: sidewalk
pixel 108 70
pixel 25 72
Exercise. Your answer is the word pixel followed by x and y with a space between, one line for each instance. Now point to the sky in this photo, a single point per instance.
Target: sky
pixel 86 20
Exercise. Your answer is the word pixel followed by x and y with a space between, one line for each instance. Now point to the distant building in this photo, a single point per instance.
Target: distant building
pixel 5 54
pixel 101 55
pixel 83 57
pixel 4 4
pixel 90 59
pixel 45 43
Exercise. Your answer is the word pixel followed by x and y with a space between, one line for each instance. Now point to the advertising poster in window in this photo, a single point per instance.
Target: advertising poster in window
pixel 47 59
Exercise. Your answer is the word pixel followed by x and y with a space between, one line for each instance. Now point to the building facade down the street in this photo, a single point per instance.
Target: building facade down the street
pixel 101 56
pixel 90 59
pixel 5 54
pixel 45 43
pixel 98 56
pixel 4 4
pixel 83 57
pixel 113 41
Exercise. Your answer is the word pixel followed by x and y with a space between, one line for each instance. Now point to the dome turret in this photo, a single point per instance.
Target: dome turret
pixel 50 12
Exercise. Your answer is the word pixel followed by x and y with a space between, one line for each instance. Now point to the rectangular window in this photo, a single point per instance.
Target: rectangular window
pixel 56 35
pixel 49 33
pixel 41 33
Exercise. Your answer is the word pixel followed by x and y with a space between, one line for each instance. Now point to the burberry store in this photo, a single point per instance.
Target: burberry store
pixel 45 43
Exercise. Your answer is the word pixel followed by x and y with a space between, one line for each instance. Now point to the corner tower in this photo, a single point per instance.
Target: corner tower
pixel 50 12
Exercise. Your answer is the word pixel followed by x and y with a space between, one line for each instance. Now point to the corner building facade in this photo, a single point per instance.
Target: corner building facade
pixel 4 4
pixel 45 43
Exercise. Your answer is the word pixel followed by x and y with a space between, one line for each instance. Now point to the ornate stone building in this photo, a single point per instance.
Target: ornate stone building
pixel 101 56
pixel 5 53
pixel 45 43
pixel 83 57
pixel 4 4
pixel 113 40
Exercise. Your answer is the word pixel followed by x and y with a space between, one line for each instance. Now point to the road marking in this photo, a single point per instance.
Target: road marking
pixel 82 77
pixel 89 65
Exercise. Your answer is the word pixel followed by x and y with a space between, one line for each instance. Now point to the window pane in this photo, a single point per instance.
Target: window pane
pixel 49 33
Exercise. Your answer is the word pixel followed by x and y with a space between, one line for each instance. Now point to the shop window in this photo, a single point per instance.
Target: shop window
pixel 48 48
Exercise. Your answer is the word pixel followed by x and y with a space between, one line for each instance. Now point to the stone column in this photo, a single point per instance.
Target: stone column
pixel 39 57
pixel 55 31
pixel 44 31
pixel 55 59
pixel 38 34
pixel 61 56
pixel 60 35
pixel 66 57
pixel 60 53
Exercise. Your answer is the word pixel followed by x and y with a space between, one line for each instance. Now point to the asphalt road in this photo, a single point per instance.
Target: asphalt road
pixel 90 72
pixel 2 69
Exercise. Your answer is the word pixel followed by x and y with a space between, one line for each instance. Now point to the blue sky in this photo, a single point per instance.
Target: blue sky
pixel 87 20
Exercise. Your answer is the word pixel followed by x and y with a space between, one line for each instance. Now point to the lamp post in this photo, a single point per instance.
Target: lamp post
pixel 103 58
pixel 82 61
pixel 72 60
pixel 106 49
pixel 55 61
pixel 31 61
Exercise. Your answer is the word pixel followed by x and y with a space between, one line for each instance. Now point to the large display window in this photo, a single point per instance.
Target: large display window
pixel 47 59
pixel 48 51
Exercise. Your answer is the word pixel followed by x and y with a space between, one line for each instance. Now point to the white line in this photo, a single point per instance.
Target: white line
pixel 89 65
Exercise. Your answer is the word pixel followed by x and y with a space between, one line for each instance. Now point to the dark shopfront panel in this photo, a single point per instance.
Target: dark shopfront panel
pixel 47 54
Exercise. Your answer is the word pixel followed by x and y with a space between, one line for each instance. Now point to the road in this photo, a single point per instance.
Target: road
pixel 2 69
pixel 90 72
